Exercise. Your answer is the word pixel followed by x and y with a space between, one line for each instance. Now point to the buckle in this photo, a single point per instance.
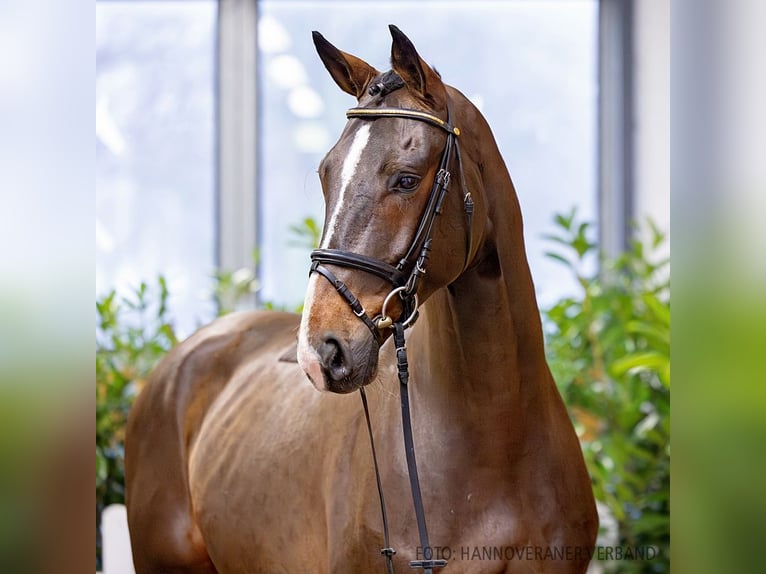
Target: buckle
pixel 425 564
pixel 361 312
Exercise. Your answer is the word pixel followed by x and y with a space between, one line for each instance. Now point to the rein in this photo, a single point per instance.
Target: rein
pixel 405 285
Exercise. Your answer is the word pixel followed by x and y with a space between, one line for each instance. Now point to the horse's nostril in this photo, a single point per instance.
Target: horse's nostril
pixel 334 358
pixel 337 361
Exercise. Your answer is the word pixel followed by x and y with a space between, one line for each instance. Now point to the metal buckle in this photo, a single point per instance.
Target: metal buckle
pixel 425 564
pixel 443 177
pixel 385 321
pixel 361 313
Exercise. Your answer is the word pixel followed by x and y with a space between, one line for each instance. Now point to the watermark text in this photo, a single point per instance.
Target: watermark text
pixel 537 553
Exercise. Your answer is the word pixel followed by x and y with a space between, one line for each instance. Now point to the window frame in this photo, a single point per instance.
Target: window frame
pixel 237 187
pixel 615 114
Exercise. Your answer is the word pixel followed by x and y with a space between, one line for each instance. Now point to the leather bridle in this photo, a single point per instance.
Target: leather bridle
pixel 404 277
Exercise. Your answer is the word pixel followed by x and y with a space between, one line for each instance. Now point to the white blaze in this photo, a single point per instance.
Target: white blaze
pixel 308 358
pixel 350 164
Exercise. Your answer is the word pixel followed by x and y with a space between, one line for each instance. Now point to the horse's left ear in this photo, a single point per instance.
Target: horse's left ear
pixel 418 75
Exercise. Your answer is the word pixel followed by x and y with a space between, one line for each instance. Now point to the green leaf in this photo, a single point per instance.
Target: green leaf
pixel 657 334
pixel 650 360
pixel 565 221
pixel 167 330
pixel 660 310
pixel 307 233
pixel 102 467
pixel 559 258
pixel 658 236
pixel 557 239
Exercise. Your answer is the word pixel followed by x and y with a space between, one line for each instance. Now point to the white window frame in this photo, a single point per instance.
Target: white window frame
pixel 615 118
pixel 237 121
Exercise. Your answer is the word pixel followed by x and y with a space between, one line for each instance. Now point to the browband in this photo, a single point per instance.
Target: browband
pixel 403 113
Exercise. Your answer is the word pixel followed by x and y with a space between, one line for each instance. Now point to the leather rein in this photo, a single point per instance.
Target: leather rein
pixel 404 277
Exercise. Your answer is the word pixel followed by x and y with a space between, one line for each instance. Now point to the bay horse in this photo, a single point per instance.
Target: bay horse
pixel 236 463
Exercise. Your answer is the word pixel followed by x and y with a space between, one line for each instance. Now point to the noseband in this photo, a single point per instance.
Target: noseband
pixel 404 277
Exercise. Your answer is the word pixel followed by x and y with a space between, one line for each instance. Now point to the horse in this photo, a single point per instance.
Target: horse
pixel 244 452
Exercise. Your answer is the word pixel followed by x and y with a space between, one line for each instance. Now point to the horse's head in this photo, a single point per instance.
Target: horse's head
pixel 378 181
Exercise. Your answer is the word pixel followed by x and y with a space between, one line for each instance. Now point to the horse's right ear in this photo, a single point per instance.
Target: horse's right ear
pixel 349 72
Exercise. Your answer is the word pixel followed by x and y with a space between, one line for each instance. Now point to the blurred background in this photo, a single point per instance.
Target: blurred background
pixel 211 119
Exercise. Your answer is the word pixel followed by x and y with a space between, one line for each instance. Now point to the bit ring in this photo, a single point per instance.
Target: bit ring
pixel 385 321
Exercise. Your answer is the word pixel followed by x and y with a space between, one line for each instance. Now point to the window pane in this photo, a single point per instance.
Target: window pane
pixel 155 122
pixel 529 66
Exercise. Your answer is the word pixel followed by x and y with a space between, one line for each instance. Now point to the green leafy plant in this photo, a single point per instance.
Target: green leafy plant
pixel 234 289
pixel 609 351
pixel 132 334
pixel 307 233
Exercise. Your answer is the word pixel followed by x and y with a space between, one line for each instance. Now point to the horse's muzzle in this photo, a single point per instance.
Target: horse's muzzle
pixel 347 365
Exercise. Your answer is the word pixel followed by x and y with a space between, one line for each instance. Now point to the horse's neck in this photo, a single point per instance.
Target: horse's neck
pixel 476 352
pixel 478 359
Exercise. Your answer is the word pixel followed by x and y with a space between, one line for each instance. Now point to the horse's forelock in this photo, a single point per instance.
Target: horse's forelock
pixel 386 83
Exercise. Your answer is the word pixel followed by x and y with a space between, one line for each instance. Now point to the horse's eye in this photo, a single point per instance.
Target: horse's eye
pixel 407 183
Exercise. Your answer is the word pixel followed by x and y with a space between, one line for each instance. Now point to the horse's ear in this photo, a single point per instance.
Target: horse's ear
pixel 351 73
pixel 418 75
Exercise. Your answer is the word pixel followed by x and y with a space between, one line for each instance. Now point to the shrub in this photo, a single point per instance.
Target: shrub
pixel 132 335
pixel 609 351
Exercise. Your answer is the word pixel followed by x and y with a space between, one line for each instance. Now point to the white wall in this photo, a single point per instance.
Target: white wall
pixel 651 45
pixel 117 558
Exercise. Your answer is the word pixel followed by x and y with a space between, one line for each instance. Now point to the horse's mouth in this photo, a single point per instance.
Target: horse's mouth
pixel 342 387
